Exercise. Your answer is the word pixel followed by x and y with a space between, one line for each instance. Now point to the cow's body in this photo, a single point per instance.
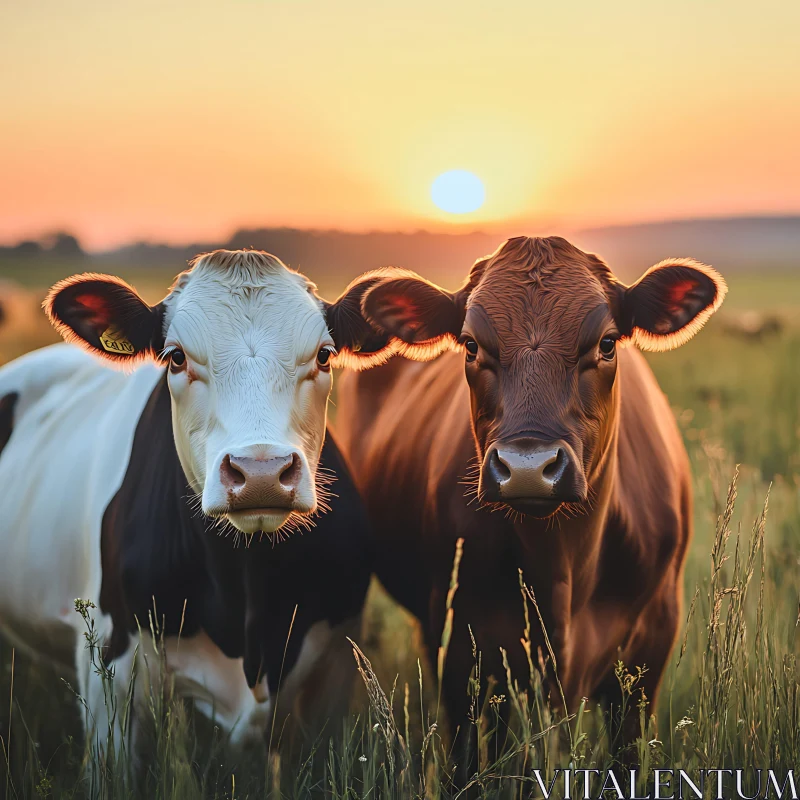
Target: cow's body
pixel 95 506
pixel 608 582
pixel 547 445
pixel 169 496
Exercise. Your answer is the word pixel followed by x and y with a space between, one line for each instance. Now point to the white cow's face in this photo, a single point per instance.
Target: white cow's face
pixel 249 374
pixel 248 348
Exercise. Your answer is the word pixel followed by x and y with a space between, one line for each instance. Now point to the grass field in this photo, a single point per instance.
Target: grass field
pixel 730 696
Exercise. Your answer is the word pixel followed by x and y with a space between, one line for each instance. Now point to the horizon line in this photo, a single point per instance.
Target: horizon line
pixel 451 231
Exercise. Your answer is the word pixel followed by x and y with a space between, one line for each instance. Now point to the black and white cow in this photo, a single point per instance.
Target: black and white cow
pixel 130 488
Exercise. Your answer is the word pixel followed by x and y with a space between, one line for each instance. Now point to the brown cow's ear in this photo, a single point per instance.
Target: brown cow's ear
pixel 423 319
pixel 359 344
pixel 670 303
pixel 107 317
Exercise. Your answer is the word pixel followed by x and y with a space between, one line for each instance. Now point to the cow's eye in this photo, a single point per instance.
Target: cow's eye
pixel 177 360
pixel 324 359
pixel 471 347
pixel 608 346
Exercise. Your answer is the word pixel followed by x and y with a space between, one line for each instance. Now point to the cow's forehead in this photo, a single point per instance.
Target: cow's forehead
pixel 528 307
pixel 521 294
pixel 259 308
pixel 526 272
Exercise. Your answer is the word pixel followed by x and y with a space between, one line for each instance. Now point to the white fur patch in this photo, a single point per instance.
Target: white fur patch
pixel 251 332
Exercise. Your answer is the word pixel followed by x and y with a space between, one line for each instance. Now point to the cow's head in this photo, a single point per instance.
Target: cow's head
pixel 539 323
pixel 248 348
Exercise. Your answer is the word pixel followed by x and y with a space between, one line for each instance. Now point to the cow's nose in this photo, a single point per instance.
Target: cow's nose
pixel 260 483
pixel 531 473
pixel 527 472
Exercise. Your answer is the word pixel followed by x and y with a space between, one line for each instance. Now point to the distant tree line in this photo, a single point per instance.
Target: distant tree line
pixel 59 245
pixel 737 244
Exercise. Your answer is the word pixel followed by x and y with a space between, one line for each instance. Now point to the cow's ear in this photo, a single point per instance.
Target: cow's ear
pixel 359 345
pixel 423 319
pixel 670 303
pixel 107 317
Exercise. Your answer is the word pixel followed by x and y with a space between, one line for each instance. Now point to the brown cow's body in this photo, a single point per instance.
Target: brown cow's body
pixel 582 480
pixel 608 583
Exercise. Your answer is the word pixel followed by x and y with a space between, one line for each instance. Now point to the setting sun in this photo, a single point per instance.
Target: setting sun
pixel 458 192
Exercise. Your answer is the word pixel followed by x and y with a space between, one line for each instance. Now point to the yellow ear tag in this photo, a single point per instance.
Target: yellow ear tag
pixel 115 342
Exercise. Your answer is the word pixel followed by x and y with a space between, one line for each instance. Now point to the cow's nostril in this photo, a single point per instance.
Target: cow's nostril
pixel 231 475
pixel 290 476
pixel 555 467
pixel 499 469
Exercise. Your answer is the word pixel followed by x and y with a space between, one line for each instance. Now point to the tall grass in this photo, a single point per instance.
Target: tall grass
pixel 729 696
pixel 743 710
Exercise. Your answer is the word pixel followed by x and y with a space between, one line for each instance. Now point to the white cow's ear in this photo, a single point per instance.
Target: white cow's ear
pixel 359 343
pixel 107 317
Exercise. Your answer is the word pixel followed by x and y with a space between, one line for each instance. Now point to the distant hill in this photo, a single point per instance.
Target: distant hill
pixel 335 256
pixel 748 244
pixel 734 245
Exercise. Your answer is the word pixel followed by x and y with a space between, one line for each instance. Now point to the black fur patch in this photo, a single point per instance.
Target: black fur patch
pixel 7 403
pixel 159 556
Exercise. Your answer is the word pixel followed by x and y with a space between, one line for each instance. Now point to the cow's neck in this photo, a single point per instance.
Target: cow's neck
pixel 257 602
pixel 561 557
pixel 160 556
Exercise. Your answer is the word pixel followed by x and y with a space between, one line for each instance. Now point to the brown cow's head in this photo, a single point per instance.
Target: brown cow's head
pixel 539 323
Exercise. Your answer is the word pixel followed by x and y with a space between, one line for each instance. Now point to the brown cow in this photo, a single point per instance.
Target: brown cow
pixel 576 447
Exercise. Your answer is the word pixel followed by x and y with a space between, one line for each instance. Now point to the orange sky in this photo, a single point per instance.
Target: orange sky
pixel 183 120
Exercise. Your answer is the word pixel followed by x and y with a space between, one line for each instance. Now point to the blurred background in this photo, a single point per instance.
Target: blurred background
pixel 148 131
pixel 135 135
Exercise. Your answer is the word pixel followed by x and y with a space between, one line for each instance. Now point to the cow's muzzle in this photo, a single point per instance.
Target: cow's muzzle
pixel 257 483
pixel 532 476
pixel 260 487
